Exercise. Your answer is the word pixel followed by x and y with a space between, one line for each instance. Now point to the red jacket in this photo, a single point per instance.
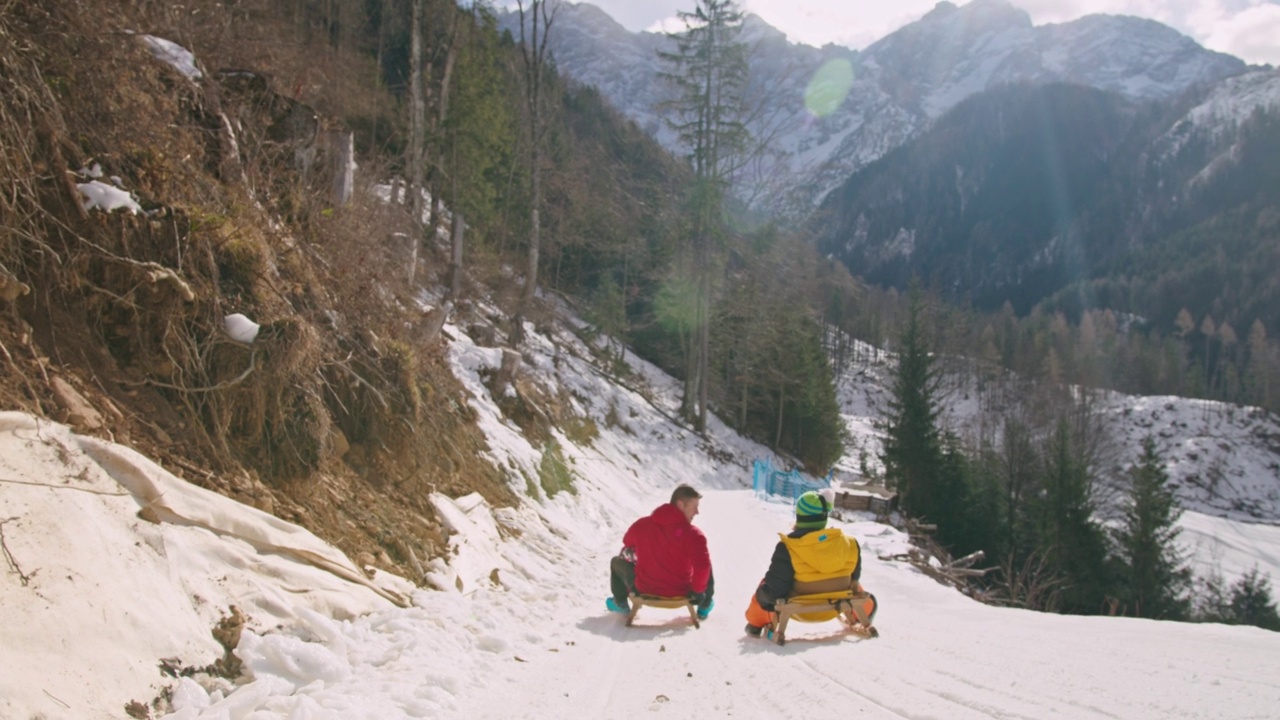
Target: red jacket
pixel 671 554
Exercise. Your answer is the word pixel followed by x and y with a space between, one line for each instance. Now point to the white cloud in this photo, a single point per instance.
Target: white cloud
pixel 854 23
pixel 1253 35
pixel 666 25
pixel 640 14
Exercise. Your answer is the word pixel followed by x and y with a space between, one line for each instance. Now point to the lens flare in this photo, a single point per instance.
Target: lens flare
pixel 677 304
pixel 829 87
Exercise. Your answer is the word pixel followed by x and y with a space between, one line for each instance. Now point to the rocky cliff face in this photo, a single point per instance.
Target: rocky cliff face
pixel 899 85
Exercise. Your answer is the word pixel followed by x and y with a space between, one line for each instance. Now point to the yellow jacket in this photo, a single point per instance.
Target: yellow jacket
pixel 821 554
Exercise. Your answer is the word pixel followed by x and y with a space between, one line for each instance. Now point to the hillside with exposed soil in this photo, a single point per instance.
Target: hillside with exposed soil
pixel 149 196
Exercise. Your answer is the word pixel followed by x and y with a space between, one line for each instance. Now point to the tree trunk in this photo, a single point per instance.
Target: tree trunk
pixel 455 266
pixel 417 131
pixel 693 344
pixel 442 116
pixel 626 274
pixel 704 331
pixel 534 55
pixel 782 400
pixel 535 199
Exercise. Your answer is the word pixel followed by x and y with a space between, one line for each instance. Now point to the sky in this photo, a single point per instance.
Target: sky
pixel 1248 29
pixel 514 625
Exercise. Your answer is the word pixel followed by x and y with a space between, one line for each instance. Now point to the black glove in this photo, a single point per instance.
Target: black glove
pixel 698 598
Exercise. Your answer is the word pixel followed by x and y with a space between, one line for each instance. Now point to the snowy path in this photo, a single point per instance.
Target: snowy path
pixel 940 654
pixel 603 669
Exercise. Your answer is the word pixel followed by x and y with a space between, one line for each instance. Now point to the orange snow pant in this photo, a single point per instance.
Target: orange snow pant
pixel 756 615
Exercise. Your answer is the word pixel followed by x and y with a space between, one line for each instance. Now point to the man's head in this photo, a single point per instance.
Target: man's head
pixel 686 499
pixel 811 511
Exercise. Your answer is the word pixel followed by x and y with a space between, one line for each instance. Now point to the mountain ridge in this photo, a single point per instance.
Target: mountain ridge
pixel 902 83
pixel 1076 197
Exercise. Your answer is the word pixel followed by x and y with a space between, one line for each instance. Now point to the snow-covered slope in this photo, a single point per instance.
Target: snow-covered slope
pixel 1218 117
pixel 1223 460
pixel 900 84
pixel 518 628
pixel 1234 99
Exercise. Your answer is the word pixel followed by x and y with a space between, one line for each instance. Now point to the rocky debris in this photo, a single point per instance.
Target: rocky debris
pixel 78 412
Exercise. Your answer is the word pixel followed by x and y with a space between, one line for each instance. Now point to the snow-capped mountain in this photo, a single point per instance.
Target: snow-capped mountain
pixel 900 84
pixel 954 52
pixel 595 50
pixel 1055 183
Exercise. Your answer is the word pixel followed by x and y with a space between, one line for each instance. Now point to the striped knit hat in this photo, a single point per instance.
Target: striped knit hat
pixel 811 511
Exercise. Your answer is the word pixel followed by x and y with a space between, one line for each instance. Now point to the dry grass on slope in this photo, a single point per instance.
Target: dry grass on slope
pixel 341 415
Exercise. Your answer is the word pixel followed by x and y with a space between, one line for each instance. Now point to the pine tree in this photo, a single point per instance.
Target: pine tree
pixel 481 128
pixel 819 435
pixel 709 71
pixel 968 519
pixel 1209 599
pixel 912 450
pixel 1017 470
pixel 609 313
pixel 1156 580
pixel 1251 602
pixel 1072 543
pixel 1247 602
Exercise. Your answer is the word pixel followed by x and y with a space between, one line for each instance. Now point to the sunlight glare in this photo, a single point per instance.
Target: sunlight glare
pixel 829 87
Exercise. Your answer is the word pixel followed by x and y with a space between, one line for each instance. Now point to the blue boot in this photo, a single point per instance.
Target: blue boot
pixel 705 610
pixel 614 607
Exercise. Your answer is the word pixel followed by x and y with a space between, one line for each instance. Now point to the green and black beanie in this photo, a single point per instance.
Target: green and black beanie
pixel 811 511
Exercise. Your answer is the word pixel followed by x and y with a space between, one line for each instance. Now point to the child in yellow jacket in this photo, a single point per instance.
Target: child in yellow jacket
pixel 811 558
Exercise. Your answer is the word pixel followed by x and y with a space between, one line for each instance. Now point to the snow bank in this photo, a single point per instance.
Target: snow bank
pixel 95 595
pixel 475 553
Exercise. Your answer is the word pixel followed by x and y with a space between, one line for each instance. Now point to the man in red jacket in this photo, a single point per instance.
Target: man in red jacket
pixel 664 554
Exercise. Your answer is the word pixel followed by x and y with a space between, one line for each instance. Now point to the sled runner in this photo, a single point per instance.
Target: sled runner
pixel 856 609
pixel 639 600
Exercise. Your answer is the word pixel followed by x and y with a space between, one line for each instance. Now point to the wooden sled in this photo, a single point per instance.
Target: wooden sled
pixel 639 600
pixel 855 608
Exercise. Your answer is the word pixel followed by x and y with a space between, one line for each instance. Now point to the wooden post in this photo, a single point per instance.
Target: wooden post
pixel 510 366
pixel 342 151
pixel 433 323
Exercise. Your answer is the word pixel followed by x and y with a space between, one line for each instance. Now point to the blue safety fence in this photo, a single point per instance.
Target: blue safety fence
pixel 791 484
